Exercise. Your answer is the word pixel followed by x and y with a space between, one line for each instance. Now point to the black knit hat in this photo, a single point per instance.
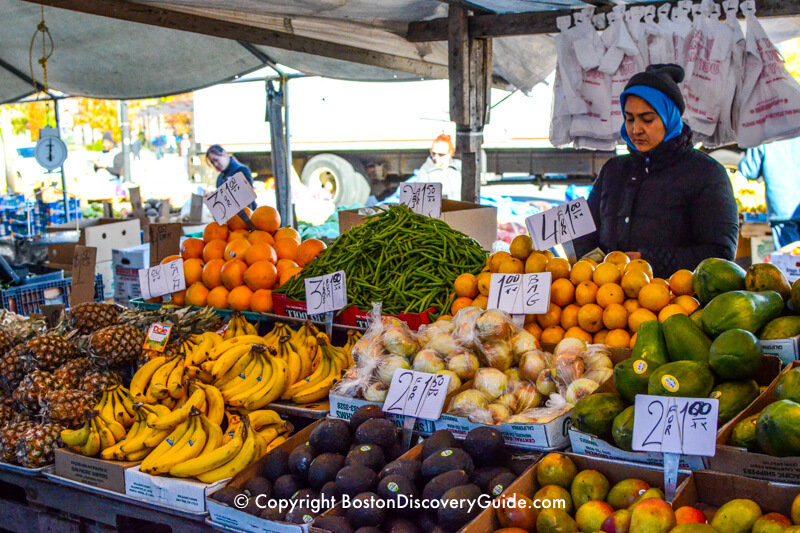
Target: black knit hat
pixel 663 77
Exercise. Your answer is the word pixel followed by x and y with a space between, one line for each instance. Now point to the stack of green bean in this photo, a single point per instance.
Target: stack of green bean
pixel 407 261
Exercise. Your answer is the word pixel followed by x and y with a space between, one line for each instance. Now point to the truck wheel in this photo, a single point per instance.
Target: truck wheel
pixel 727 158
pixel 337 175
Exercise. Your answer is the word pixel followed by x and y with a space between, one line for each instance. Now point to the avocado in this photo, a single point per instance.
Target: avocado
pixel 364 511
pixel 258 485
pixel 378 431
pixel 500 484
pixel 485 445
pixel 455 511
pixel 446 460
pixel 300 515
pixel 439 440
pixel 323 469
pixel 226 495
pixel 305 494
pixel 435 488
pixel 391 487
pixel 286 486
pixel 331 436
pixel 252 507
pixel 406 467
pixel 483 475
pixel 300 460
pixel 276 464
pixel 398 524
pixel 355 479
pixel 368 455
pixel 329 495
pixel 395 451
pixel 273 513
pixel 364 413
pixel 369 529
pixel 334 524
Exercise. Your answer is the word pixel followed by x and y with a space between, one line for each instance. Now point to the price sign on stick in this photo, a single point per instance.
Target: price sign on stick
pixel 417 394
pixel 675 425
pixel 518 294
pixel 422 198
pixel 326 293
pixel 83 274
pixel 230 198
pixel 560 224
pixel 536 293
pixel 162 279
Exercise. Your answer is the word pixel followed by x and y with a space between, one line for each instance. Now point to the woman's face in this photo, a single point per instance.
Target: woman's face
pixel 440 153
pixel 644 126
pixel 219 161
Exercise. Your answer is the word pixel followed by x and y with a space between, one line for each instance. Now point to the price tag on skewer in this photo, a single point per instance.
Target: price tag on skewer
pixel 162 279
pixel 230 198
pixel 417 394
pixel 422 198
pixel 561 224
pixel 326 293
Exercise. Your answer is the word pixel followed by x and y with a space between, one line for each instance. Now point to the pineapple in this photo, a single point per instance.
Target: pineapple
pixel 31 391
pixel 6 342
pixel 170 350
pixel 90 317
pixel 9 436
pixel 48 352
pixel 6 414
pixel 12 368
pixel 98 381
pixel 117 345
pixel 69 374
pixel 37 445
pixel 68 407
pixel 21 328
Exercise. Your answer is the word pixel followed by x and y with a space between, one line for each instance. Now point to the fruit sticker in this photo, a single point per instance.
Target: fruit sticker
pixel 365 448
pixel 497 490
pixel 446 453
pixel 392 486
pixel 670 383
pixel 716 394
pixel 640 366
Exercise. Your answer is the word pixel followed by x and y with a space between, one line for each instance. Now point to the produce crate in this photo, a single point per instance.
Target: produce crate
pixel 44 290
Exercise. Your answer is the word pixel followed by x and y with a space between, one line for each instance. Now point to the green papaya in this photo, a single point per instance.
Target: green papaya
pixel 783 327
pixel 795 296
pixel 681 378
pixel 650 343
pixel 744 434
pixel 736 354
pixel 733 397
pixel 788 386
pixel 622 429
pixel 685 341
pixel 767 277
pixel 741 310
pixel 697 318
pixel 713 277
pixel 595 414
pixel 778 429
pixel 631 377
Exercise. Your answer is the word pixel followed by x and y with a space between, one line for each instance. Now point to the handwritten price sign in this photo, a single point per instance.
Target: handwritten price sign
pixel 519 294
pixel 675 425
pixel 326 293
pixel 417 394
pixel 560 224
pixel 422 198
pixel 230 198
pixel 162 279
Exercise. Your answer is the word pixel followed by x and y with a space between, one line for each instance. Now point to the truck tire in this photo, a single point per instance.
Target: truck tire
pixel 339 176
pixel 727 158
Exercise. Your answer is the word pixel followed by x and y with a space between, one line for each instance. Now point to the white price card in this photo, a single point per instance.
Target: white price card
pixel 536 293
pixel 422 198
pixel 561 224
pixel 162 279
pixel 230 198
pixel 677 425
pixel 417 394
pixel 518 294
pixel 326 293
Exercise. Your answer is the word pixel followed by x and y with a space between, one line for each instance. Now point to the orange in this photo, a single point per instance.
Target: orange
pixel 590 318
pixel 590 260
pixel 521 247
pixel 633 281
pixel 562 292
pixel 552 335
pixel 606 273
pixel 232 274
pixel 639 265
pixel 633 341
pixel 569 316
pixel 681 283
pixel 668 311
pixel 654 296
pixel 631 305
pixel 617 257
pixel 178 298
pixel 193 271
pixel 238 234
pixel 551 318
pixel 308 250
pixel 192 248
pixel 608 294
pixel 581 271
pixel 286 248
pixel 287 233
pixel 259 237
pixel 236 249
pixel 512 265
pixel 237 222
pixel 288 274
pixel 266 218
pixel 261 302
pixel 212 273
pixel 558 267
pixel 688 303
pixel 460 303
pixel 496 258
pixel 536 262
pixel 214 231
pixel 481 301
pixel 534 329
pixel 197 295
pixel 214 250
pixel 615 316
pixel 284 264
pixel 218 297
pixel 600 337
pixel 261 275
pixel 260 252
pixel 484 280
pixel 444 317
pixel 466 284
pixel 239 298
pixel 577 333
pixel 662 281
pixel 640 315
pixel 547 254
pixel 618 338
pixel 586 293
pixel 169 259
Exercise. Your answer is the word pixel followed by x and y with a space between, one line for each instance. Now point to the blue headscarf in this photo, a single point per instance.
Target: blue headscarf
pixel 663 105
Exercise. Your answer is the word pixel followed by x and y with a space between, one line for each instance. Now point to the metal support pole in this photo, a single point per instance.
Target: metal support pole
pixel 287 134
pixel 63 176
pixel 125 125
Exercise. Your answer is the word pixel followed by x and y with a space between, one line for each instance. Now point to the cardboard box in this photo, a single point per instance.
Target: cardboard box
pixel 343 407
pixel 788 263
pixel 127 262
pixel 108 475
pixel 185 494
pixel 477 221
pixel 787 350
pixel 105 236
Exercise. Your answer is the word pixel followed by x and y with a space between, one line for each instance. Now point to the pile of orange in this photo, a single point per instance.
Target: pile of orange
pixel 600 303
pixel 232 267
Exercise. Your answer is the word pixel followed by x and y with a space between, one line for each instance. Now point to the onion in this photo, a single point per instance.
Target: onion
pixel 388 365
pixel 467 402
pixel 463 363
pixel 444 343
pixel 523 342
pixel 531 364
pixel 527 397
pixel 500 413
pixel 572 345
pixel 545 383
pixel 376 392
pixel 491 382
pixel 579 389
pixel 493 324
pixel 428 360
pixel 399 341
pixel 455 381
pixel 498 354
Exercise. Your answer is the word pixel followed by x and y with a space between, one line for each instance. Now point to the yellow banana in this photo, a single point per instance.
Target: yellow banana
pixel 236 341
pixel 156 464
pixel 249 329
pixel 264 417
pixel 165 445
pixel 239 367
pixel 121 415
pixel 319 391
pixel 157 409
pixel 115 451
pixel 214 432
pixel 252 379
pixel 189 450
pixel 92 445
pixel 142 377
pixel 175 387
pixel 116 429
pixel 106 436
pixel 318 375
pixel 226 361
pixel 246 455
pixel 138 456
pixel 178 415
pixel 170 403
pixel 124 397
pixel 275 443
pixel 291 357
pixel 273 389
pixel 195 372
pixel 207 365
pixel 76 437
pixel 144 439
pixel 215 403
pixel 208 461
pixel 157 390
pixel 230 330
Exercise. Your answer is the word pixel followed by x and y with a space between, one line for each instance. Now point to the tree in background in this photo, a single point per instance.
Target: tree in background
pixel 30 117
pixel 99 115
pixel 791 54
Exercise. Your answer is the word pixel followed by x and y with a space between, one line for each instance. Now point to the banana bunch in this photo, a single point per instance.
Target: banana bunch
pixel 105 425
pixel 140 439
pixel 334 361
pixel 193 436
pixel 264 421
pixel 238 326
pixel 353 336
pixel 254 379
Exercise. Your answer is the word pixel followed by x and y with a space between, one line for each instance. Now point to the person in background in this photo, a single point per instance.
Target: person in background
pixel 109 162
pixel 779 164
pixel 227 165
pixel 665 202
pixel 440 167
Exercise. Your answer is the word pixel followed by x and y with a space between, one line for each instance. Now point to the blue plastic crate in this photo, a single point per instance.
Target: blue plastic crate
pixel 30 298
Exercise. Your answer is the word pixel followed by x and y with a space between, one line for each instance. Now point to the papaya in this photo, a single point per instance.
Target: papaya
pixel 685 341
pixel 795 296
pixel 788 386
pixel 736 354
pixel 631 377
pixel 783 327
pixel 595 414
pixel 622 429
pixel 650 343
pixel 681 378
pixel 733 397
pixel 714 276
pixel 741 310
pixel 778 429
pixel 744 434
pixel 697 318
pixel 767 277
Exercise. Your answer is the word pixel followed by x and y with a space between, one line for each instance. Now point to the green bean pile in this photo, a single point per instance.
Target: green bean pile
pixel 407 261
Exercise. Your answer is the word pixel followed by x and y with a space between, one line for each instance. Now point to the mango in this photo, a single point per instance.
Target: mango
pixel 555 521
pixel 554 493
pixel 652 516
pixel 556 469
pixel 737 516
pixel 690 515
pixel 517 510
pixel 694 528
pixel 771 523
pixel 794 514
pixel 619 522
pixel 624 493
pixel 591 515
pixel 587 486
pixel 648 494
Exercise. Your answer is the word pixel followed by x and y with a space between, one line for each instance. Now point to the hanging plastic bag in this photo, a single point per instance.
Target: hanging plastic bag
pixel 566 100
pixel 770 103
pixel 595 89
pixel 729 114
pixel 637 30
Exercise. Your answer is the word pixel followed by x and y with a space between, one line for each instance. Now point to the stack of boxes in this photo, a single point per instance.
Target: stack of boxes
pixel 26 218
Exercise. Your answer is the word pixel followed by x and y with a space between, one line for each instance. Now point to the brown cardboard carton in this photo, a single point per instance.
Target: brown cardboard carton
pixel 109 475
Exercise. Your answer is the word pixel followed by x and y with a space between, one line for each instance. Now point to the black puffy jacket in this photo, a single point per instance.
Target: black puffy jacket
pixel 673 204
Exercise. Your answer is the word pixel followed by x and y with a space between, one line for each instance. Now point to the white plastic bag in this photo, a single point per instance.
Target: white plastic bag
pixel 729 115
pixel 658 37
pixel 566 100
pixel 681 28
